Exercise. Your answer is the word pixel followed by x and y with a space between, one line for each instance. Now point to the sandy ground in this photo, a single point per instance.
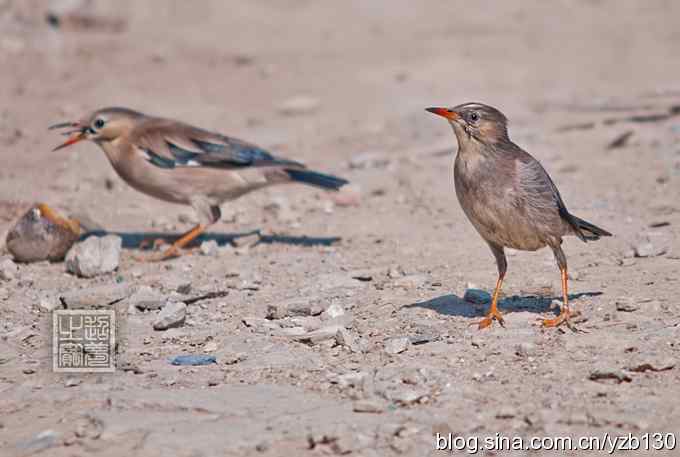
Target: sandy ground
pixel 369 68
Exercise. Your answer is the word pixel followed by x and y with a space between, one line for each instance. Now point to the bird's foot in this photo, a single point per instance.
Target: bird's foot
pixel 488 319
pixel 169 253
pixel 564 318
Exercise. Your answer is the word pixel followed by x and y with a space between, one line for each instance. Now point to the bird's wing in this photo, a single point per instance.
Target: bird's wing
pixel 541 183
pixel 170 144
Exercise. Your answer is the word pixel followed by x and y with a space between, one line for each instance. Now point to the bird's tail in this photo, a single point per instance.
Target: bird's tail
pixel 587 231
pixel 316 179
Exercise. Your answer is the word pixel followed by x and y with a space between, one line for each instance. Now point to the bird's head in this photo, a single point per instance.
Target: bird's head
pixel 477 121
pixel 101 126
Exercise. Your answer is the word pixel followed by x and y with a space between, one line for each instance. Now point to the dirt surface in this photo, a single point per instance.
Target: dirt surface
pixel 398 263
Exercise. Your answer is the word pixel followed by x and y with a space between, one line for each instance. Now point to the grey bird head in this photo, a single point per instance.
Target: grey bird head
pixel 105 124
pixel 476 121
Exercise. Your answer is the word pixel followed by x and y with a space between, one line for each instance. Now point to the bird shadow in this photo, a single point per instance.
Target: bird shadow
pixel 453 305
pixel 132 240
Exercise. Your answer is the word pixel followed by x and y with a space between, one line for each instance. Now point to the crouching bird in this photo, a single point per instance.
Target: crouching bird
pixel 509 197
pixel 180 163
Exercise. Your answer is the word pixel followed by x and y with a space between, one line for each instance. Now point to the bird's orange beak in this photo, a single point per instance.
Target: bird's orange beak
pixel 444 112
pixel 76 136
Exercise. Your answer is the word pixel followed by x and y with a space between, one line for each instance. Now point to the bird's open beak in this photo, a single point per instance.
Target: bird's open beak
pixel 444 112
pixel 76 136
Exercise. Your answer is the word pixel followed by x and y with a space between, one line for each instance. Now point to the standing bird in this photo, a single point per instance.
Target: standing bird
pixel 180 163
pixel 509 197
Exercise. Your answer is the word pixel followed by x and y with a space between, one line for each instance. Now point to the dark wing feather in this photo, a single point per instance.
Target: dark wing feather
pixel 170 144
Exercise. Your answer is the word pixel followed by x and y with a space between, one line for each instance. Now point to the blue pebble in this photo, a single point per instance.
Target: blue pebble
pixel 193 360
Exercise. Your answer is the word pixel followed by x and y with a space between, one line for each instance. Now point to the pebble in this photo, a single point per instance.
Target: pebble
pixel 397 345
pixel 94 256
pixel 609 373
pixel 210 248
pixel 644 247
pixel 72 382
pixel 172 315
pixel 210 346
pixel 299 105
pixel 35 238
pixel 8 269
pixel 193 360
pixel 477 296
pixel 344 337
pixel 294 307
pixel 333 311
pixel 626 305
pixel 145 299
pixel 317 336
pixel 368 406
pixel 525 349
pixel 43 440
pixel 246 241
pixel 96 297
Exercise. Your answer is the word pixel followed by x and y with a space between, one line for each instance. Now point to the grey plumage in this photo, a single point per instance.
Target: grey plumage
pixel 505 192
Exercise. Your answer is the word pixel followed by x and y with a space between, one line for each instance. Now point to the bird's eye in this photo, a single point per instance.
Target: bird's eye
pixel 99 123
pixel 474 116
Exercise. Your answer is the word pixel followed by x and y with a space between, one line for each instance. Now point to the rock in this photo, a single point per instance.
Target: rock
pixel 344 337
pixel 96 297
pixel 94 256
pixel 48 305
pixel 193 360
pixel 298 105
pixel 146 299
pixel 525 349
pixel 260 325
pixel 333 311
pixel 626 305
pixel 72 382
pixel 477 296
pixel 369 160
pixel 294 307
pixel 41 234
pixel 617 375
pixel 8 269
pixel 246 240
pixel 172 315
pixel 232 358
pixel 210 346
pixel 397 345
pixel 353 379
pixel 642 366
pixel 210 248
pixel 317 336
pixel 368 406
pixel 43 440
pixel 407 396
pixel 644 247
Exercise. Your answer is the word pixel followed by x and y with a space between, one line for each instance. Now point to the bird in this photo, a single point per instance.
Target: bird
pixel 179 163
pixel 509 198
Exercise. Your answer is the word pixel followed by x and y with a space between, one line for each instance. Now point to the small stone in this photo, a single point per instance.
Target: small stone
pixel 525 349
pixel 368 406
pixel 299 105
pixel 609 373
pixel 344 337
pixel 48 305
pixel 477 296
pixel 333 311
pixel 233 358
pixel 172 315
pixel 626 305
pixel 146 299
pixel 210 346
pixel 293 307
pixel 644 247
pixel 43 440
pixel 408 396
pixel 8 269
pixel 41 234
pixel 246 240
pixel 397 345
pixel 96 297
pixel 353 379
pixel 72 382
pixel 193 360
pixel 317 336
pixel 94 256
pixel 260 325
pixel 262 446
pixel 210 248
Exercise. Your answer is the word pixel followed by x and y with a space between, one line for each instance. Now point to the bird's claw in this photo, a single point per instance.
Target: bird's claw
pixel 563 318
pixel 488 319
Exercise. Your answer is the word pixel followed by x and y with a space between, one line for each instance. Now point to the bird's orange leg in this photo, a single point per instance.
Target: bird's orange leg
pixel 565 312
pixel 493 311
pixel 175 249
